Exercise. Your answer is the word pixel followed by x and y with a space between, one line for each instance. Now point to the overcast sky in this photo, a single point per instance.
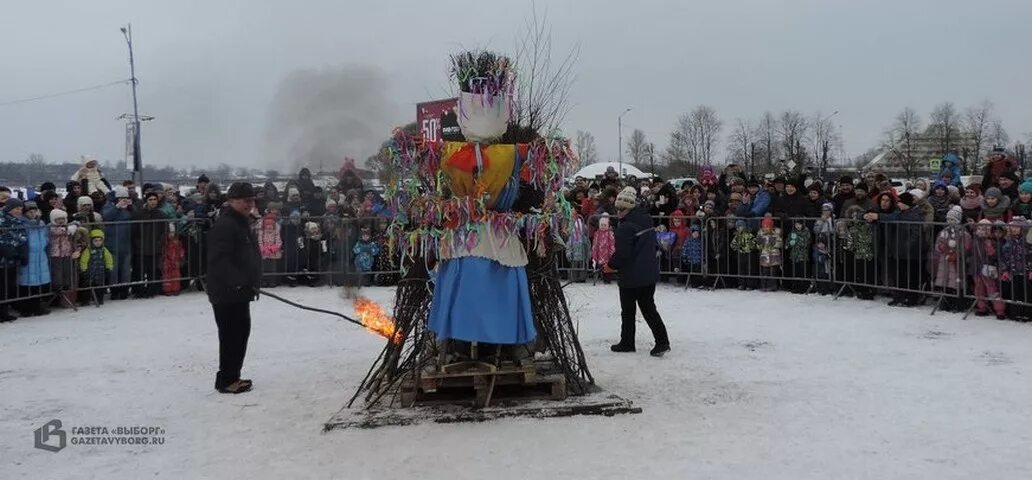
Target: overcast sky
pixel 209 70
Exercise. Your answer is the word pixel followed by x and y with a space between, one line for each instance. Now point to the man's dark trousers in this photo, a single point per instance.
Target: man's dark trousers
pixel 643 298
pixel 234 322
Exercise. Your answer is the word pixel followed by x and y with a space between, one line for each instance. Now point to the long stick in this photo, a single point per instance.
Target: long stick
pixel 313 309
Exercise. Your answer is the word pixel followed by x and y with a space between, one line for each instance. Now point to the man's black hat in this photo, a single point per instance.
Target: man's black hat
pixel 240 190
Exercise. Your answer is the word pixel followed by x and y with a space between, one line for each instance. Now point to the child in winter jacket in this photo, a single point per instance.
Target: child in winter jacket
pixel 95 264
pixel 603 246
pixel 63 251
pixel 665 240
pixel 940 200
pixel 743 248
pixel 173 257
pixel 857 243
pixel 678 225
pixel 946 273
pixel 34 274
pixel 824 236
pixel 769 243
pixel 270 245
pixel 314 248
pixel 799 256
pixel 691 256
pixel 1015 267
pixel 578 249
pixel 365 252
pixel 983 266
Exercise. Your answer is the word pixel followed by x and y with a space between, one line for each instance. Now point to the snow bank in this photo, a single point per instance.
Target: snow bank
pixel 757 386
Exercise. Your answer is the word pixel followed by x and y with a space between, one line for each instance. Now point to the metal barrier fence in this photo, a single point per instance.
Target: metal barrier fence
pixel 83 261
pixel 959 267
pixel 981 268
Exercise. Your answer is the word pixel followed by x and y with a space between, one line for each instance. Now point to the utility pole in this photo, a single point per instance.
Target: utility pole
pixel 619 134
pixel 127 32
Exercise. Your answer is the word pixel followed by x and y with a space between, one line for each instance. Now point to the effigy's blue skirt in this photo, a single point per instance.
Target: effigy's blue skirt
pixel 479 300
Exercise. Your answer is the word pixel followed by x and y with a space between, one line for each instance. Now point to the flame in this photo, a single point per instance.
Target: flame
pixel 376 320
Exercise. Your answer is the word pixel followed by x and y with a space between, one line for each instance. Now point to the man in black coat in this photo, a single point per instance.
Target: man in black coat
pixel 635 259
pixel 234 275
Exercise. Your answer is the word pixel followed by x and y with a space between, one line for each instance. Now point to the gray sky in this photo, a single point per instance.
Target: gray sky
pixel 209 70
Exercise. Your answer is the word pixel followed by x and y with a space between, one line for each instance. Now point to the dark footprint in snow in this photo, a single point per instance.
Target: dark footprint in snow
pixel 935 335
pixel 754 345
pixel 995 358
pixel 724 394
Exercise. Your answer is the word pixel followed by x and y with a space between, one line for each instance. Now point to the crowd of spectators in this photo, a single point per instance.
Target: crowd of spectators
pixel 99 240
pixel 932 238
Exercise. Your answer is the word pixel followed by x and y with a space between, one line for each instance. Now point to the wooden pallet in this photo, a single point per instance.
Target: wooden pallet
pixel 594 404
pixel 480 383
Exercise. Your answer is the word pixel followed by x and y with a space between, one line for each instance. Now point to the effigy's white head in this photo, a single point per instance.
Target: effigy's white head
pixel 483 117
pixel 485 80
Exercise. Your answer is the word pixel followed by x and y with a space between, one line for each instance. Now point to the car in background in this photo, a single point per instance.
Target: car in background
pixel 679 183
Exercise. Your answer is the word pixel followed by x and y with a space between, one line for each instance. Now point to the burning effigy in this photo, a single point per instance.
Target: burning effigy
pixel 477 230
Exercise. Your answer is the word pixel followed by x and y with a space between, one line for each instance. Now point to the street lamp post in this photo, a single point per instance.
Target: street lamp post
pixel 127 32
pixel 619 134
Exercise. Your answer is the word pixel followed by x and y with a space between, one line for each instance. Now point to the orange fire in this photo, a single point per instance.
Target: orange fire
pixel 376 320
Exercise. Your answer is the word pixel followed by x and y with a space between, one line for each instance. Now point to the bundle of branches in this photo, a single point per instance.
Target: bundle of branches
pixel 482 72
pixel 416 350
pixel 556 332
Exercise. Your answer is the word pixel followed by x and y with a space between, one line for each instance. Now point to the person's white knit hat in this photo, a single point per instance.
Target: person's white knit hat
pixel 627 199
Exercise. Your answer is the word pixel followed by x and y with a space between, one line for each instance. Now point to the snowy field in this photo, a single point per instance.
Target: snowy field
pixel 757 386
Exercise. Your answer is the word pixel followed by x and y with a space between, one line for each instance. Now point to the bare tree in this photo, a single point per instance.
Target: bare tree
pixel 944 125
pixel 977 121
pixel 792 130
pixel 637 148
pixel 678 150
pixel 825 140
pixel 37 165
pixel 706 127
pixel 543 89
pixel 997 134
pixel 768 134
pixel 740 144
pixel 901 140
pixel 585 147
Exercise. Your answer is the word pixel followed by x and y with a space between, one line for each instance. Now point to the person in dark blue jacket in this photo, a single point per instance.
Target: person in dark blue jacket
pixel 635 259
pixel 117 213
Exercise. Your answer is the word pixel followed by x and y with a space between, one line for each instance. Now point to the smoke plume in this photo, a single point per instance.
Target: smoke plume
pixel 320 116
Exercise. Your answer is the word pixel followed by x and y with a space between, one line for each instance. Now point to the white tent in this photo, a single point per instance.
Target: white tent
pixel 599 169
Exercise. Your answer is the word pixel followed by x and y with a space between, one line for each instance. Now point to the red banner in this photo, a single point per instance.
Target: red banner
pixel 438 120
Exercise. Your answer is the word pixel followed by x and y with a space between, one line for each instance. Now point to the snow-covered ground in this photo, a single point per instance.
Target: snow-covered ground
pixel 757 386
